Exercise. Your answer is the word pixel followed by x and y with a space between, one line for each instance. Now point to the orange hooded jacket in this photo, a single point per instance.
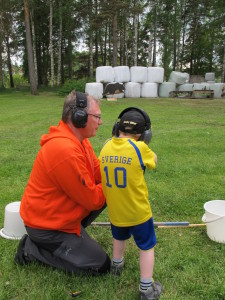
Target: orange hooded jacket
pixel 64 185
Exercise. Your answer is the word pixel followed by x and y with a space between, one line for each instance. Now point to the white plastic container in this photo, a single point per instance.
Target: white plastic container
pixel 214 218
pixel 14 227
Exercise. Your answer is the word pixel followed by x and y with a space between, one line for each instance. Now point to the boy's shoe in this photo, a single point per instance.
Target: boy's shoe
pixel 152 293
pixel 116 269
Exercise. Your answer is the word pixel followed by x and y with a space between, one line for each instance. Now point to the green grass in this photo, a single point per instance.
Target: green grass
pixel 188 137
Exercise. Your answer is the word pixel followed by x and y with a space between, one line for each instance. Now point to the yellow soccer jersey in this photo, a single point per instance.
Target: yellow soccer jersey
pixel 122 163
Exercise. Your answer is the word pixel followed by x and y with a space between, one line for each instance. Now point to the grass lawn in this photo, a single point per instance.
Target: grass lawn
pixel 189 139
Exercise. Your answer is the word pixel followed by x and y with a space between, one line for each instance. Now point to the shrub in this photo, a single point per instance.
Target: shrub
pixel 74 84
pixel 18 80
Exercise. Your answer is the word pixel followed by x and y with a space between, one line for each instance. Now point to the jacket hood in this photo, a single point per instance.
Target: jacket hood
pixel 60 131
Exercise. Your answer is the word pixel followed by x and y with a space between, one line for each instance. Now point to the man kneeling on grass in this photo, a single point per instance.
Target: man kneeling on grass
pixel 123 160
pixel 64 194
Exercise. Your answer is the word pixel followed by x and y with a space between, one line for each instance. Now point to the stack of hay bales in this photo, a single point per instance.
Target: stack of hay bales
pixel 155 76
pixel 104 74
pixel 147 82
pixel 122 75
pixel 138 81
pixel 138 75
pixel 175 79
pixel 218 88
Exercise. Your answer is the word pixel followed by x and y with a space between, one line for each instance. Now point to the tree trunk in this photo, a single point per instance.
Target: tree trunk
pixel 193 47
pixel 63 57
pixel 51 44
pixel 135 39
pixel 59 45
pixel 70 55
pixel 1 51
pixel 115 40
pixel 9 62
pixel 34 45
pixel 155 29
pixel 109 48
pixel 33 83
pixel 183 36
pixel 121 47
pixel 125 42
pixel 175 38
pixel 105 45
pixel 96 35
pixel 150 50
pixel 91 70
pixel 223 73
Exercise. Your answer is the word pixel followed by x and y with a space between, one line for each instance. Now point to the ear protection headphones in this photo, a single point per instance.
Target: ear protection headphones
pixel 145 130
pixel 79 114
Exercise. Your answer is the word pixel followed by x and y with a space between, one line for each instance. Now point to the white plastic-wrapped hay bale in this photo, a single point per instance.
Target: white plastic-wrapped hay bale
pixel 122 74
pixel 94 89
pixel 219 89
pixel 132 90
pixel 105 74
pixel 186 87
pixel 155 74
pixel 138 74
pixel 201 86
pixel 201 90
pixel 187 77
pixel 210 76
pixel 177 77
pixel 149 90
pixel 165 88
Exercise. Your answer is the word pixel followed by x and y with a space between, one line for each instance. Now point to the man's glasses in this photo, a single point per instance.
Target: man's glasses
pixel 97 117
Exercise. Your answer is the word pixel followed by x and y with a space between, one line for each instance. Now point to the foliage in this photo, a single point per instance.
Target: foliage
pixel 185 35
pixel 188 137
pixel 18 80
pixel 75 84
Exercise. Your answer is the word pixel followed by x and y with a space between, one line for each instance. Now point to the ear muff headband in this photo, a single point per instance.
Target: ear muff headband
pixel 79 115
pixel 146 135
pixel 144 114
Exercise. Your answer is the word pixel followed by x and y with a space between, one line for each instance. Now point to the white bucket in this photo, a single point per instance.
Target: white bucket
pixel 14 227
pixel 214 218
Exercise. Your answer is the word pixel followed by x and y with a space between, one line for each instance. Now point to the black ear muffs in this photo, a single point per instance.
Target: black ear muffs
pixel 79 115
pixel 146 135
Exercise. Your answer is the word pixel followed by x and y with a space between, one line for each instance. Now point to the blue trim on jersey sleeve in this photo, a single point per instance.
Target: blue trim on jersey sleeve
pixel 138 154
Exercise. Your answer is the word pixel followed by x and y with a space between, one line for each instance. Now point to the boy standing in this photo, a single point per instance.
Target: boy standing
pixel 123 160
